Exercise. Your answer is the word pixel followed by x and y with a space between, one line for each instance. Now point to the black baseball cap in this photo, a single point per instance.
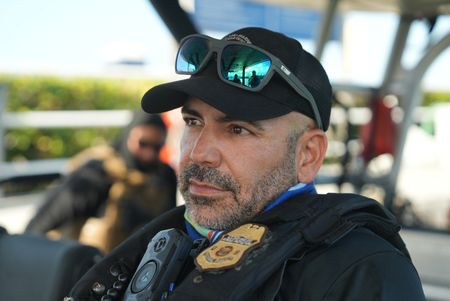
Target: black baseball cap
pixel 276 99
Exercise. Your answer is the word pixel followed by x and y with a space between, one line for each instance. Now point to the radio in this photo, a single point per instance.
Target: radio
pixel 159 267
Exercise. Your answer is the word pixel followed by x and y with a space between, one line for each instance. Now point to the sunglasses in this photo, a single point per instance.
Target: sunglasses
pixel 241 65
pixel 148 144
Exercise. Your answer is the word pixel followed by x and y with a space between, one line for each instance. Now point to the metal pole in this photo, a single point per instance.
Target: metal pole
pixel 394 63
pixel 325 28
pixel 173 16
pixel 412 97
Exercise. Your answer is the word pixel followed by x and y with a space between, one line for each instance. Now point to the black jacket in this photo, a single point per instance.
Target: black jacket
pixel 361 266
pixel 367 263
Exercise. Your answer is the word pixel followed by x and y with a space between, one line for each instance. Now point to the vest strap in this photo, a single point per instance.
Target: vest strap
pixel 319 220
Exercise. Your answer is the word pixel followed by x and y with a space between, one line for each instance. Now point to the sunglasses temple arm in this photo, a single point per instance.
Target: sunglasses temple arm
pixel 301 90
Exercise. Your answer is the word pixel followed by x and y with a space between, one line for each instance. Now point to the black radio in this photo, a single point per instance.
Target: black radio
pixel 159 267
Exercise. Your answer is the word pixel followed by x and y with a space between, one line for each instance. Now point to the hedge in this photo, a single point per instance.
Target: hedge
pixel 38 93
pixel 34 93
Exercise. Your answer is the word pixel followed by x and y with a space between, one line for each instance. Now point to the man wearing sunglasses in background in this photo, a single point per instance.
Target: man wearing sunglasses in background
pixel 111 190
pixel 249 156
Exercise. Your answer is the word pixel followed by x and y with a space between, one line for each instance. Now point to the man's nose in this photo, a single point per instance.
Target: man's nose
pixel 151 153
pixel 206 150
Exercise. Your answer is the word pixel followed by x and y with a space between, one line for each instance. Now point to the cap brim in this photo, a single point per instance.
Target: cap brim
pixel 233 102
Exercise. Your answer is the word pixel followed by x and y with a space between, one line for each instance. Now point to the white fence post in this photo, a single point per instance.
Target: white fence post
pixel 3 95
pixel 2 124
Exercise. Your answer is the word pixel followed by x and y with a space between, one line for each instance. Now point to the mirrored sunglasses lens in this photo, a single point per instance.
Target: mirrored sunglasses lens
pixel 149 144
pixel 244 65
pixel 192 54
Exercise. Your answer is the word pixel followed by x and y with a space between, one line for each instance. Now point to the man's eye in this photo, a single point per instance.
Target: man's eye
pixel 191 121
pixel 238 130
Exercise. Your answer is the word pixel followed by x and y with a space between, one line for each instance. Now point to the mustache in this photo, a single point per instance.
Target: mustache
pixel 209 175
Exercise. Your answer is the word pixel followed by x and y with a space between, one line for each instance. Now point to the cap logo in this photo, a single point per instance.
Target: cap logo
pixel 238 37
pixel 285 70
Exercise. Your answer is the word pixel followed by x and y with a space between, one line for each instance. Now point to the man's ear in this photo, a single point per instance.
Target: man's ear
pixel 310 152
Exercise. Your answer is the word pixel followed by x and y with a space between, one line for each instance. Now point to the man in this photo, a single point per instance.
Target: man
pixel 254 80
pixel 111 190
pixel 236 79
pixel 248 161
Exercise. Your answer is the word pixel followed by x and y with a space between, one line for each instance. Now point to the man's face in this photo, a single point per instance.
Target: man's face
pixel 231 169
pixel 144 143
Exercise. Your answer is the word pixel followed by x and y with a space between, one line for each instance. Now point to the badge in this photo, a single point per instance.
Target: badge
pixel 231 249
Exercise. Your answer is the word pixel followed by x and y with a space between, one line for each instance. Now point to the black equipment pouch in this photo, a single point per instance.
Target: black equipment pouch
pixel 158 270
pixel 109 279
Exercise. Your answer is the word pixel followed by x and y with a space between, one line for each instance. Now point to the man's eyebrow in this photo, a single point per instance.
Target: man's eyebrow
pixel 257 124
pixel 187 110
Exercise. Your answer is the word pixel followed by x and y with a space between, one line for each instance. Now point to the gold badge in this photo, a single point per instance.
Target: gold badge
pixel 231 248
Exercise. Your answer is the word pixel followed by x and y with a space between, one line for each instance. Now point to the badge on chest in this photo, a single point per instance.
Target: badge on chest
pixel 231 249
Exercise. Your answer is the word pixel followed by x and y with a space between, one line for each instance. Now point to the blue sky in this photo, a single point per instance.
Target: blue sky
pixel 78 37
pixel 86 37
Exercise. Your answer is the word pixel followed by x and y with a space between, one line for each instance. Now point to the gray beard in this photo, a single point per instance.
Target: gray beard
pixel 265 190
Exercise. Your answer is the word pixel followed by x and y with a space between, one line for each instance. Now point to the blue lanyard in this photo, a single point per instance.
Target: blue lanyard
pixel 300 188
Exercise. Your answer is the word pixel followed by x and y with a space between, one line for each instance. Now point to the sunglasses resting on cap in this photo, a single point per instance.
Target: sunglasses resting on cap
pixel 241 61
pixel 251 74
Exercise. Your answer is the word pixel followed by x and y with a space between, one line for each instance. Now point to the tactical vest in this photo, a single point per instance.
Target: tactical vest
pixel 296 226
pixel 301 225
pixel 133 198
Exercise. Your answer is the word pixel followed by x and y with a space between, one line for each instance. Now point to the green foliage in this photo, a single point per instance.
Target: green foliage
pixel 38 93
pixel 31 93
pixel 41 93
pixel 32 144
pixel 435 97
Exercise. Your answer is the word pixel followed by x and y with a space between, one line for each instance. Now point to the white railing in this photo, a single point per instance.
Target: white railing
pixel 66 119
pixel 98 118
pixel 50 119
